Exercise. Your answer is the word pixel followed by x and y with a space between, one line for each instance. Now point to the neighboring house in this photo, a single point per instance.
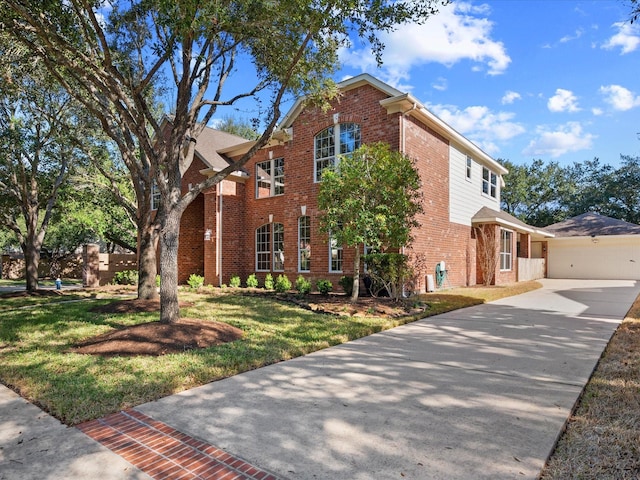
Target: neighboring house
pixel 265 219
pixel 593 246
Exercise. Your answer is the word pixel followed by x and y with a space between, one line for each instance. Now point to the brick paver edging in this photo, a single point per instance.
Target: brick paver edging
pixel 164 453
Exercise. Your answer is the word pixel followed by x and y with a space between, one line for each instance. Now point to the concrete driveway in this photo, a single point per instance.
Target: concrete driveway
pixel 476 393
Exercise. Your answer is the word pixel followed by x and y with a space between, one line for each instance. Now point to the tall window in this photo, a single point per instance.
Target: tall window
pixel 335 255
pixel 468 168
pixel 489 182
pixel 505 249
pixel 155 196
pixel 278 247
pixel 304 244
pixel 340 139
pixel 270 178
pixel 270 238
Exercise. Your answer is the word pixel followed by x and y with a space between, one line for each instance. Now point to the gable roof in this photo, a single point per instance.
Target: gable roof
pixel 591 224
pixel 211 142
pixel 407 104
pixel 489 215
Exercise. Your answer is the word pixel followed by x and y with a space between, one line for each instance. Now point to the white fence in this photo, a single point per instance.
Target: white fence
pixel 530 269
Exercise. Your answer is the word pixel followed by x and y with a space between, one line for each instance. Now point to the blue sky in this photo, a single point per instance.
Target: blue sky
pixel 557 80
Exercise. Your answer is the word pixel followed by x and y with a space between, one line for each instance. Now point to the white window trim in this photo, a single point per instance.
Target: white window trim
pixel 490 183
pixel 506 254
pixel 300 249
pixel 336 147
pixel 272 186
pixel 155 196
pixel 468 169
pixel 258 269
pixel 337 247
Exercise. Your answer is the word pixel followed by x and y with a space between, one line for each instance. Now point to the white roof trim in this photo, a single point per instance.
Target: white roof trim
pixel 514 226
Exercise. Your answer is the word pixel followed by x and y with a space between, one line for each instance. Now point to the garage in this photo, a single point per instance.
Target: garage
pixel 592 246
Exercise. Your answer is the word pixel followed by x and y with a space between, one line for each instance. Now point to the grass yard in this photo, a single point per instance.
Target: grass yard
pixel 35 343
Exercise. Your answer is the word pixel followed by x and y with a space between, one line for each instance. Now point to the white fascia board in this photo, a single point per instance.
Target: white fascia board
pixel 590 237
pixel 237 176
pixel 514 226
pixel 406 103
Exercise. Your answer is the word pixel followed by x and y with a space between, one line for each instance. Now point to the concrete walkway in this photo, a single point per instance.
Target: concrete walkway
pixel 476 393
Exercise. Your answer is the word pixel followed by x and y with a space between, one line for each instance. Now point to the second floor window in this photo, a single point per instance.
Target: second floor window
pixel 489 182
pixel 340 139
pixel 270 178
pixel 468 168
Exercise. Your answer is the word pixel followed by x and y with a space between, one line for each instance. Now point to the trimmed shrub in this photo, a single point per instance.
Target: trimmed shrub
pixel 346 282
pixel 252 281
pixel 283 284
pixel 268 282
pixel 195 281
pixel 126 277
pixel 303 286
pixel 234 281
pixel 324 286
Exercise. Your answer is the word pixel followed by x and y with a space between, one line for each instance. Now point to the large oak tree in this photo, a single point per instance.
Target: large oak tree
pixel 208 51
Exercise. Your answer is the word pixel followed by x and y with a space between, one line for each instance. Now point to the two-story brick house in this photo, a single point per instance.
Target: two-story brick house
pixel 264 219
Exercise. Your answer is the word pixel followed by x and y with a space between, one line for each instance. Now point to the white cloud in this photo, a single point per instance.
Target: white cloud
pixel 460 31
pixel 566 138
pixel 619 97
pixel 509 97
pixel 597 111
pixel 627 38
pixel 480 124
pixel 563 101
pixel 440 84
pixel 567 38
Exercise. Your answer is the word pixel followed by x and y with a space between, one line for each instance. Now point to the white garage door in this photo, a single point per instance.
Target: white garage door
pixel 613 257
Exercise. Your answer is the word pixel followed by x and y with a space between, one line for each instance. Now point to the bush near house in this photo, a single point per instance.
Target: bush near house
pixel 126 277
pixel 252 281
pixel 324 286
pixel 303 286
pixel 234 281
pixel 195 281
pixel 283 284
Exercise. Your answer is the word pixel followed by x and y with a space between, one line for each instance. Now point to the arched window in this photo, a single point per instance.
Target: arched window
pixel 270 238
pixel 304 244
pixel 340 139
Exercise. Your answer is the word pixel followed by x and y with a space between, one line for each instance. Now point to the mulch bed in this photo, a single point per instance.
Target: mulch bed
pixel 35 293
pixel 156 338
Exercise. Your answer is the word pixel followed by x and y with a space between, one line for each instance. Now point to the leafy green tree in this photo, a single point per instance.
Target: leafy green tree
pixel 39 126
pixel 624 190
pixel 590 188
pixel 371 198
pixel 110 65
pixel 241 128
pixel 534 192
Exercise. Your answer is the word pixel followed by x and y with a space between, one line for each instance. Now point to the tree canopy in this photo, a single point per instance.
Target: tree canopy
pixel 544 193
pixel 371 198
pixel 111 55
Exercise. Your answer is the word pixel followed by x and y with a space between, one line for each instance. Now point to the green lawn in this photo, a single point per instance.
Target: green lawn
pixel 34 345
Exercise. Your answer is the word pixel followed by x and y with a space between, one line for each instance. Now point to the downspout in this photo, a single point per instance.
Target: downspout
pixel 219 234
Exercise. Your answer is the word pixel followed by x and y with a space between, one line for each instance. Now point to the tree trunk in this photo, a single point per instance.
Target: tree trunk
pixel 356 276
pixel 147 266
pixel 32 261
pixel 169 234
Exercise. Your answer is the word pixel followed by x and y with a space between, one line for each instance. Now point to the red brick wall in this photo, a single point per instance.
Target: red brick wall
pixel 191 246
pixel 435 240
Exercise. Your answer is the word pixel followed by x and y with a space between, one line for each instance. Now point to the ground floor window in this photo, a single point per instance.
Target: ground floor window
pixel 304 244
pixel 335 256
pixel 270 238
pixel 505 249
